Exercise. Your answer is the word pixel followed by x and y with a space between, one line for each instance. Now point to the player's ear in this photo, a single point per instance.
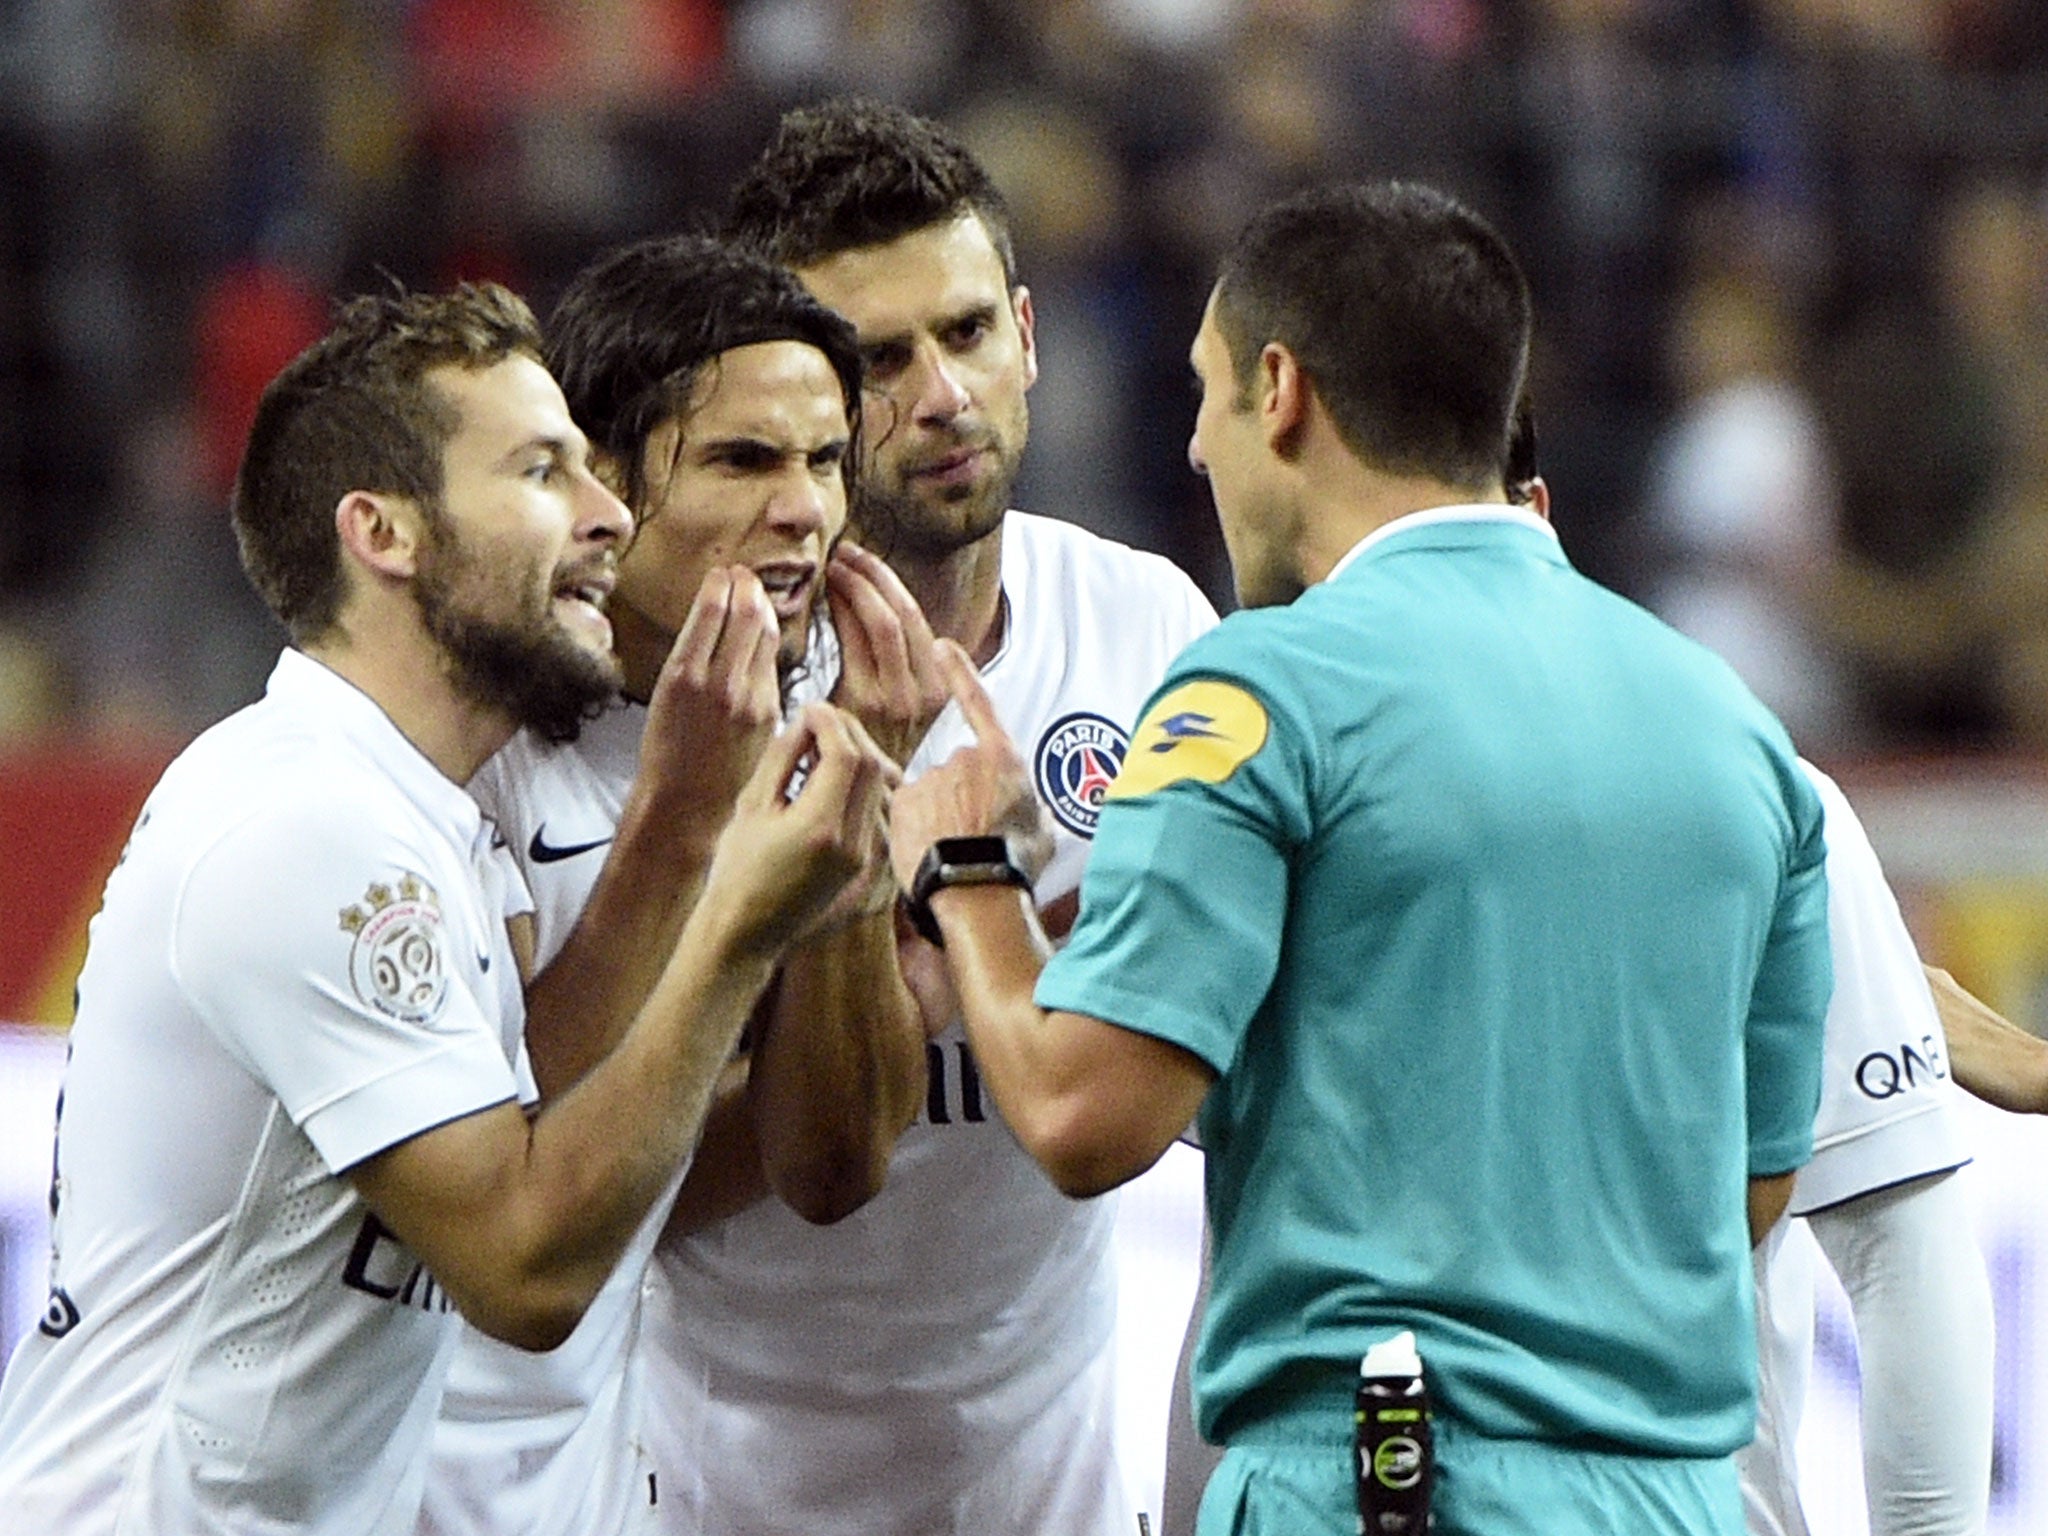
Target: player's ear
pixel 1027 331
pixel 380 532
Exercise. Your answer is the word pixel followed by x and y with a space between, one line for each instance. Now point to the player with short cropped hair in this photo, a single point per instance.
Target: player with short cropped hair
pixel 292 1140
pixel 942 1359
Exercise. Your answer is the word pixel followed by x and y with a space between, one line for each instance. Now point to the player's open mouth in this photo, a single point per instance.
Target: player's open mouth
pixel 790 585
pixel 581 601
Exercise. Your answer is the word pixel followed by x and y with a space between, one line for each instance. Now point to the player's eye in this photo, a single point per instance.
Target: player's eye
pixel 970 330
pixel 880 365
pixel 749 458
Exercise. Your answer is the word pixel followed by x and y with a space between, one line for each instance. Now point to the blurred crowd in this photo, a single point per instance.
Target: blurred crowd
pixel 1791 260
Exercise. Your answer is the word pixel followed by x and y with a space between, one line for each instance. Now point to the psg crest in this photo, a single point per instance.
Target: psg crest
pixel 1077 759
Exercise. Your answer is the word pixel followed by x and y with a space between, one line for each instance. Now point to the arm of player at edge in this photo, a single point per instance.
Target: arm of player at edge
pixel 1989 1055
pixel 1921 1300
pixel 1095 1104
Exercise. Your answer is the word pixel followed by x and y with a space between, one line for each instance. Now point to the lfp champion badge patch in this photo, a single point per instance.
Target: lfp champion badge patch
pixel 1077 759
pixel 396 964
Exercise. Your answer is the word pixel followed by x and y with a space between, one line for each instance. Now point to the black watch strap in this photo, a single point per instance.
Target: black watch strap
pixel 958 861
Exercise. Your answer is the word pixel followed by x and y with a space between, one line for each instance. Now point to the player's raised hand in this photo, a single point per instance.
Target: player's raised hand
pixel 790 851
pixel 717 700
pixel 983 790
pixel 889 675
pixel 874 890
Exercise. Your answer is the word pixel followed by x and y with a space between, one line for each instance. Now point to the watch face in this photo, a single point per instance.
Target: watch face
pixel 958 861
pixel 965 861
pixel 974 874
pixel 954 851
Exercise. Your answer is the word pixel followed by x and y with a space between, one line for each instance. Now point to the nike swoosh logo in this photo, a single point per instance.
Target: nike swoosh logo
pixel 541 851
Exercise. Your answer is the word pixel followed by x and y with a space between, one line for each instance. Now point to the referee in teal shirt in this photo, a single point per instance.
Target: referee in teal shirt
pixel 1480 915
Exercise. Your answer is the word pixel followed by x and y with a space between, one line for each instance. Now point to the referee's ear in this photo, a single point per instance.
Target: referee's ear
pixel 1286 397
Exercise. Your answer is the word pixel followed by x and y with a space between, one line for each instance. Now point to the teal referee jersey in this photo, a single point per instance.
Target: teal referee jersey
pixel 1498 908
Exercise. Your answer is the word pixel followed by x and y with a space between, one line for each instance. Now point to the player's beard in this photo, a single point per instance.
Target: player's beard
pixel 528 665
pixel 898 522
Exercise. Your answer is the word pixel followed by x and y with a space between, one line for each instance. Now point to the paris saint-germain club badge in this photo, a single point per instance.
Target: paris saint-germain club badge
pixel 1077 758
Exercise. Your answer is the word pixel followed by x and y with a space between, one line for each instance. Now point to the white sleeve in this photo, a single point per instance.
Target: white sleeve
pixel 1909 1261
pixel 322 956
pixel 1883 1114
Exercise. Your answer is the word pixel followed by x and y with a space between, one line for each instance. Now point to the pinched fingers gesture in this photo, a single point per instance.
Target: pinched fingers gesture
pixel 718 698
pixel 792 849
pixel 889 674
pixel 981 790
pixel 874 890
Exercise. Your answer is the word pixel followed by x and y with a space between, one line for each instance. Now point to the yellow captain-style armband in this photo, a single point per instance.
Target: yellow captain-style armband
pixel 1202 730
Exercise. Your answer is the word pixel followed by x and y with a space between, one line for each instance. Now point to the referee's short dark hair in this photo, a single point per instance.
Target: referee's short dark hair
pixel 1408 313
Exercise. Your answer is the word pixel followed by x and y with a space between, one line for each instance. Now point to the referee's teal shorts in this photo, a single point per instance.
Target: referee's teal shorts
pixel 1484 1487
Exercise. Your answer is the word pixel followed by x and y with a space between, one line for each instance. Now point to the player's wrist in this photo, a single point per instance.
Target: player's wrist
pixel 676 822
pixel 978 905
pixel 734 925
pixel 955 866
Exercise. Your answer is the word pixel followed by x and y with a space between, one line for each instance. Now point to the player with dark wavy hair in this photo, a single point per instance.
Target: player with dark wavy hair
pixel 722 399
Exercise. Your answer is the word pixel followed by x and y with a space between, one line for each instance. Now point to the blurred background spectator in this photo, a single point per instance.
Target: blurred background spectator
pixel 1791 259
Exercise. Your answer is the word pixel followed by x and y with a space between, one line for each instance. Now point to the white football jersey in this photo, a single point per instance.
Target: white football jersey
pixel 550 1444
pixel 1882 1120
pixel 941 1360
pixel 300 962
pixel 978 1297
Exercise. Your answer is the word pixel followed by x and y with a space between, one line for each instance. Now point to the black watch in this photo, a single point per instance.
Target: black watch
pixel 958 861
